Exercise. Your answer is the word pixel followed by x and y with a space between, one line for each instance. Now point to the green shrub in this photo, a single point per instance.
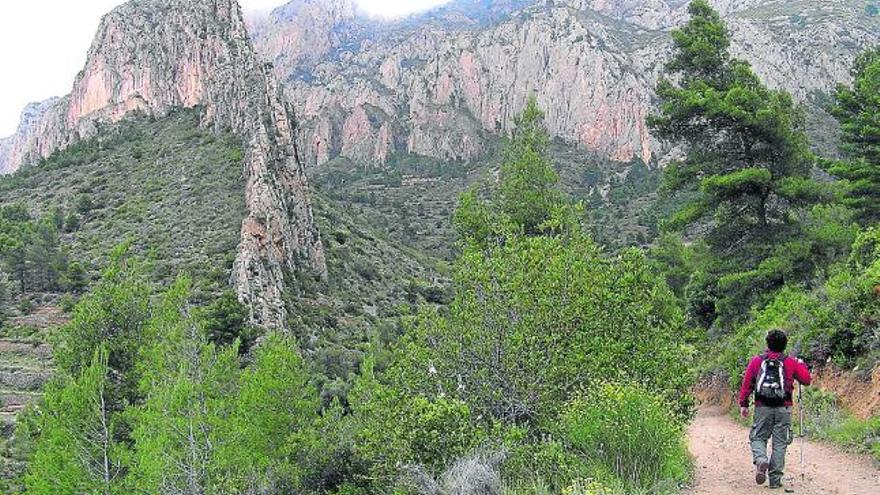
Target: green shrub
pixel 84 204
pixel 533 466
pixel 227 321
pixel 26 306
pixel 859 435
pixel 629 432
pixel 537 317
pixel 399 429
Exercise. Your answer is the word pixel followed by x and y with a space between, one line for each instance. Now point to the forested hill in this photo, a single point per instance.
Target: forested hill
pixel 187 308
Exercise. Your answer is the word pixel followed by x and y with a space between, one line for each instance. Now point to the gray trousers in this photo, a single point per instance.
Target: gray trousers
pixel 775 423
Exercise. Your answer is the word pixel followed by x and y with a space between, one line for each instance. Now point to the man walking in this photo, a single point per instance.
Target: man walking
pixel 771 376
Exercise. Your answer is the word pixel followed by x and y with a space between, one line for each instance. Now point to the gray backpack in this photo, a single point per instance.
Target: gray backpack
pixel 770 386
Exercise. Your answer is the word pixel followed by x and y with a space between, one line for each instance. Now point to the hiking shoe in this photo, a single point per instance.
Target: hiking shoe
pixel 761 472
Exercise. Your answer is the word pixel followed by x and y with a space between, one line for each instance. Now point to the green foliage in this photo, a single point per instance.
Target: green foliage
pixel 833 321
pixel 399 428
pixel 527 199
pixel 702 43
pixel 858 110
pixel 76 450
pixel 824 419
pixel 188 388
pixel 677 261
pixel 748 165
pixel 640 442
pixel 226 322
pixel 113 315
pixel 473 219
pixel 528 193
pixel 523 332
pixel 31 251
pixel 550 464
pixel 267 439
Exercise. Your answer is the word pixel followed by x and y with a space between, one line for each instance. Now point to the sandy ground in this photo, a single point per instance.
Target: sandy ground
pixel 724 465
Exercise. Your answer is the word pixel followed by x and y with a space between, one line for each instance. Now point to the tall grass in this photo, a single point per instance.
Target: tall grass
pixel 631 434
pixel 825 420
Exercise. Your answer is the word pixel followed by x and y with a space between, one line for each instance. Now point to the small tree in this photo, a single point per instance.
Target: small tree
pixel 76 450
pixel 527 196
pixel 267 439
pixel 113 315
pixel 227 322
pixel 188 388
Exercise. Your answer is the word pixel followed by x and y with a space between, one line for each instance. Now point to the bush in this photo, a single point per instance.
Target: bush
pixel 629 432
pixel 399 429
pixel 84 204
pixel 26 306
pixel 535 316
pixel 227 321
pixel 545 463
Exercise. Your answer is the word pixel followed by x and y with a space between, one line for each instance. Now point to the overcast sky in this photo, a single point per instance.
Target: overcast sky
pixel 43 44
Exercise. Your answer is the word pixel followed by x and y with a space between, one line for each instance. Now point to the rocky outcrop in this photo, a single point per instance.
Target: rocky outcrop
pixel 441 83
pixel 13 148
pixel 151 56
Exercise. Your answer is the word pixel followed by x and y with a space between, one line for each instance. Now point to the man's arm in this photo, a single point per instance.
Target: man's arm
pixel 746 389
pixel 802 373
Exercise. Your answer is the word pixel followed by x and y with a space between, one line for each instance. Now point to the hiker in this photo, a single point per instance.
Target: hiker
pixel 770 376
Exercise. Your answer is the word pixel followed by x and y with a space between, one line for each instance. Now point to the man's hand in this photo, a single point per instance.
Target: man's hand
pixel 744 412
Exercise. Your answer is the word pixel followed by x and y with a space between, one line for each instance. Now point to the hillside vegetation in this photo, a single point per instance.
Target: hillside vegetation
pixel 531 324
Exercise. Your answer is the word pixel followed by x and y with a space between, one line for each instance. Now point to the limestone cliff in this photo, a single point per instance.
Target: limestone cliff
pixel 152 56
pixel 13 147
pixel 439 83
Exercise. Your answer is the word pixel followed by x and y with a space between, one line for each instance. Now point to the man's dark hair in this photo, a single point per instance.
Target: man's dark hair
pixel 777 341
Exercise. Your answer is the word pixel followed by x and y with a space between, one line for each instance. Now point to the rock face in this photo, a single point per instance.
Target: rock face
pixel 13 148
pixel 440 83
pixel 152 56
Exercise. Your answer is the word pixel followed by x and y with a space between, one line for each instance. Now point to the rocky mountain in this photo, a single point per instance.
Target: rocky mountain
pixel 445 83
pixel 152 56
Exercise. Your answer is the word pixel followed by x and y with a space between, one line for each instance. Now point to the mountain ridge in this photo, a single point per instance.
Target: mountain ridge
pixel 432 83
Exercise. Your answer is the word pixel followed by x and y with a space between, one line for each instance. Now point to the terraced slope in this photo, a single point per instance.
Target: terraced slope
pixel 25 366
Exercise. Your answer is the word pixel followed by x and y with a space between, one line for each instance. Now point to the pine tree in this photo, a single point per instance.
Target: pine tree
pixel 528 194
pixel 188 386
pixel 858 110
pixel 268 436
pixel 76 451
pixel 113 315
pixel 747 164
pixel 528 200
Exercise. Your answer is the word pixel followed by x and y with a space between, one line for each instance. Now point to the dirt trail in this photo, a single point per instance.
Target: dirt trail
pixel 724 465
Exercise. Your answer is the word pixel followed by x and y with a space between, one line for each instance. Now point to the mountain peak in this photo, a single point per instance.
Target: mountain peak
pixel 152 56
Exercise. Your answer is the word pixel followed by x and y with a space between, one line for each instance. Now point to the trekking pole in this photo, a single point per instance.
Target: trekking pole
pixel 803 436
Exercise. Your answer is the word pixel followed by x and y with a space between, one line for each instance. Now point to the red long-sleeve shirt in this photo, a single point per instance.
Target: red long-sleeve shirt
pixel 793 369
